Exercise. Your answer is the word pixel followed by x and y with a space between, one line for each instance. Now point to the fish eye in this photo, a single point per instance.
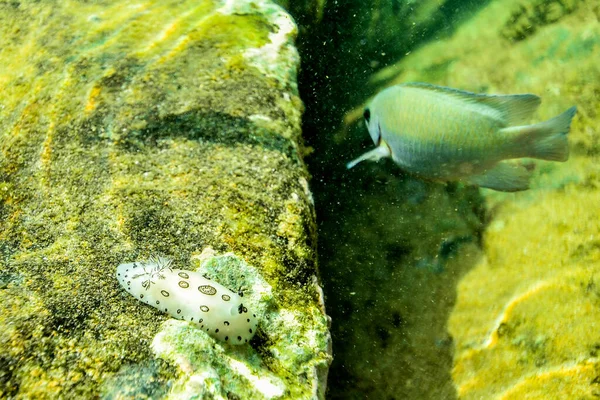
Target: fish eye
pixel 367 115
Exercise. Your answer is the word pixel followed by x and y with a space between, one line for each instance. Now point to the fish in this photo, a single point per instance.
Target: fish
pixel 444 134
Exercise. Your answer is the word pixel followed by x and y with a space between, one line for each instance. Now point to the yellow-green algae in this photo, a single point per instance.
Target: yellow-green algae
pixel 524 322
pixel 128 129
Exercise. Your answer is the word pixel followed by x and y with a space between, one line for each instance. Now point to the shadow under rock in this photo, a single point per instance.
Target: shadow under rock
pixel 392 248
pixel 391 261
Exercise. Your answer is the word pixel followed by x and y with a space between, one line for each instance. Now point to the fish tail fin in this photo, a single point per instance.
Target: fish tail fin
pixel 548 140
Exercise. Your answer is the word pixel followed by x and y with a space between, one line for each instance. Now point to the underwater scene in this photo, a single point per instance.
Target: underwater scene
pixel 311 199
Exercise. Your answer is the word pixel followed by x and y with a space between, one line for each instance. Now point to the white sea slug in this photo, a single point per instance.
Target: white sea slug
pixel 189 296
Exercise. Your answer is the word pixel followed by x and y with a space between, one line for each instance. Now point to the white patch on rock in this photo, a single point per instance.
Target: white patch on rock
pixel 278 59
pixel 268 386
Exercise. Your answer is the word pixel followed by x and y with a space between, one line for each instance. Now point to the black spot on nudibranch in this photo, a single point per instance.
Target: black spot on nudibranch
pixel 240 338
pixel 179 312
pixel 241 309
pixel 204 308
pixel 157 302
pixel 217 330
pixel 226 297
pixel 250 330
pixel 226 338
pixel 184 284
pixel 226 323
pixel 164 293
pixel 183 275
pixel 207 289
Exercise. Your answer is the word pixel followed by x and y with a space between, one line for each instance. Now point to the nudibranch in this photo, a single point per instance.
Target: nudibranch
pixel 189 296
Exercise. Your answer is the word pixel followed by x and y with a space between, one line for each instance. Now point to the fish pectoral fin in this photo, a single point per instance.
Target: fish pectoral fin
pixel 376 154
pixel 506 176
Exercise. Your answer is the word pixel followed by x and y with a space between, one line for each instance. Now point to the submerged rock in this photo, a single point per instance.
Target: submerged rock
pixel 129 129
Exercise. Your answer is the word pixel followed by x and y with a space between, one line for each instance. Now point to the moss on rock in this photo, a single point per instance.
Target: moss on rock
pixel 130 129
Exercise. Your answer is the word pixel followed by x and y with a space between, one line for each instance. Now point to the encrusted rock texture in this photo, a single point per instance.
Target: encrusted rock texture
pixel 525 321
pixel 132 129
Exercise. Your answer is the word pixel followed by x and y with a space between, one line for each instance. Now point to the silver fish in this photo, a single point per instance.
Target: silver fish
pixel 445 134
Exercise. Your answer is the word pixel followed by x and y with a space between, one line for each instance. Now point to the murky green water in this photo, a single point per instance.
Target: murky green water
pixel 446 291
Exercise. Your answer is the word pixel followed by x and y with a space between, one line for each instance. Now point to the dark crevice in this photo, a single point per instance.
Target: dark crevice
pixel 339 56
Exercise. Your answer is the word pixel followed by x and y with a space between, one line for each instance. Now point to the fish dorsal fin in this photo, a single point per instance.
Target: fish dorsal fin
pixel 515 109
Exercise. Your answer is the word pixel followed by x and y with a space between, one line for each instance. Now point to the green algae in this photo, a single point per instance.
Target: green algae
pixel 231 32
pixel 143 381
pixel 529 16
pixel 126 132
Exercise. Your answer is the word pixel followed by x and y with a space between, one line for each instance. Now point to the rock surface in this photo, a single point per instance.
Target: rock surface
pixel 130 129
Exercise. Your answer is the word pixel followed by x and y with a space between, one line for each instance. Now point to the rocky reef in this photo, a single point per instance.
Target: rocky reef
pixel 132 129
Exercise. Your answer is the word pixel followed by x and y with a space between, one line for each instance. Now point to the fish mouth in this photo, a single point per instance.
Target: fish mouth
pixel 379 152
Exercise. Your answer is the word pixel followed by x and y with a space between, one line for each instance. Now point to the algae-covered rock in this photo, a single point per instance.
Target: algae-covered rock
pixel 132 129
pixel 524 325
